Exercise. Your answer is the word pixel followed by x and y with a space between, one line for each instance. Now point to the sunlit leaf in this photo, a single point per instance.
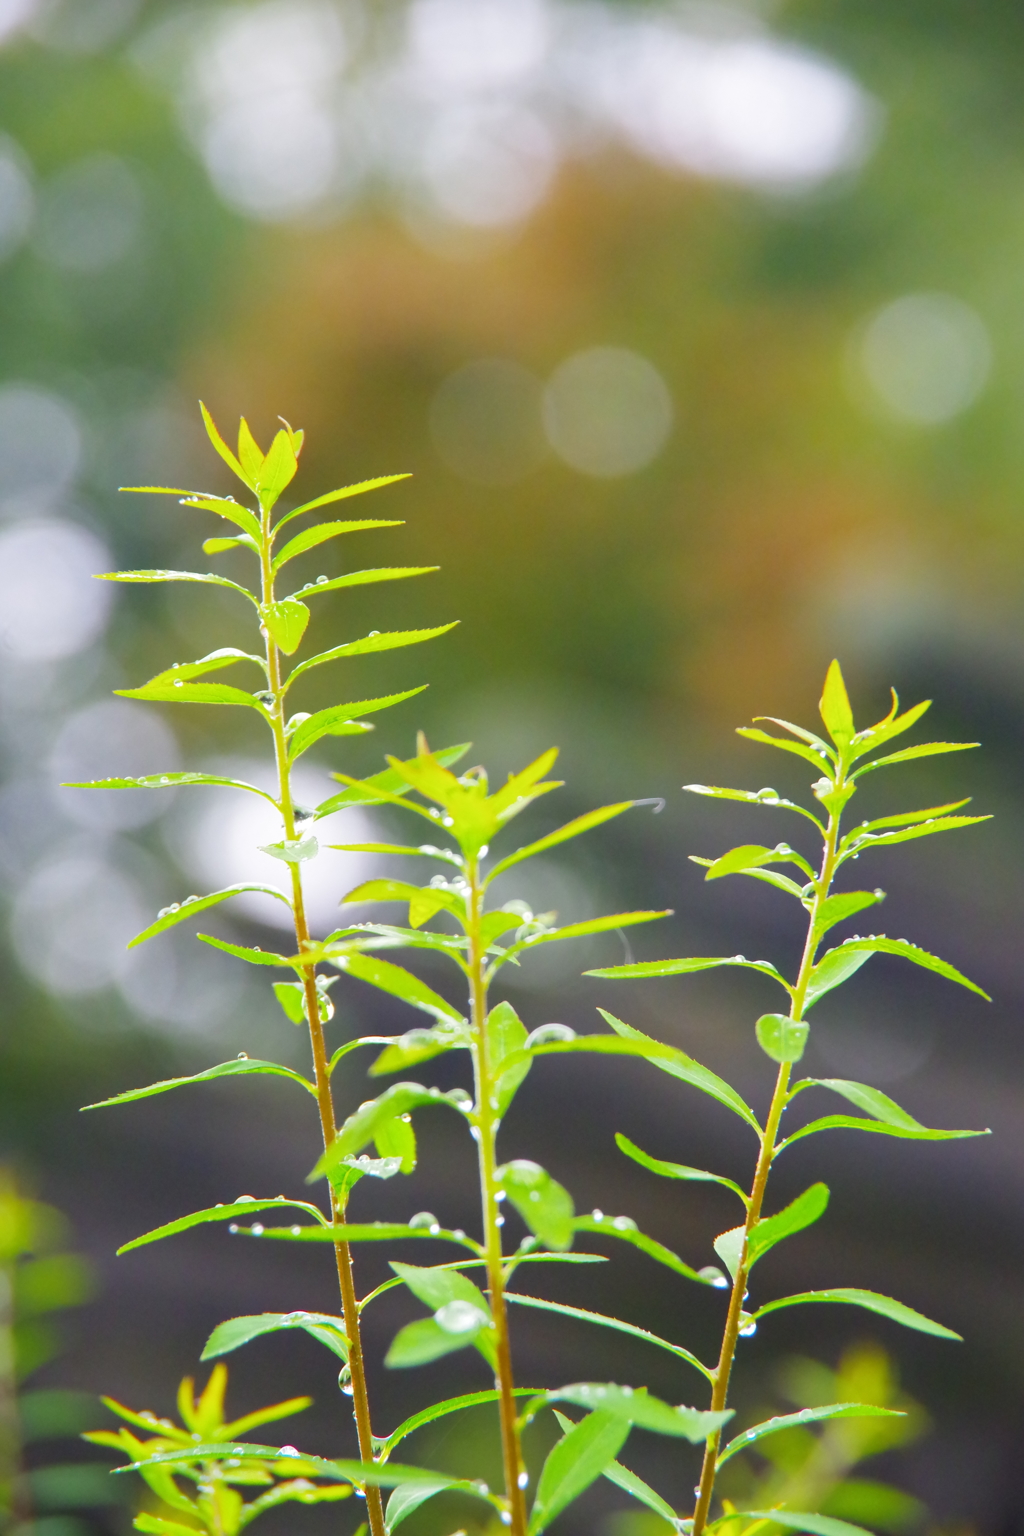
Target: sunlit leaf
pixel 364 578
pixel 222 447
pixel 370 643
pixel 390 781
pixel 835 707
pixel 442 1410
pixel 751 856
pixel 908 754
pixel 242 1330
pixel 408 1498
pixel 171 781
pixel 571 829
pixel 184 671
pixel 425 1340
pixel 780 1037
pixel 574 1463
pixel 852 1123
pixel 286 620
pixel 834 961
pixel 624 1228
pixel 224 506
pixel 238 1068
pixel 769 797
pixel 752 733
pixel 363 1232
pixel 784 1421
pixel 396 981
pixel 508 1060
pixel 800 1213
pixel 341 495
pixel 191 693
pixel 544 1204
pixel 674 1170
pixel 682 1066
pixel 769 876
pixel 871 1301
pixel 333 722
pixel 814 1525
pixel 180 912
pixel 613 1323
pixel 861 842
pixel 204 576
pixel 361 1127
pixel 253 956
pixel 609 924
pixel 418 1045
pixel 218 546
pixel 648 968
pixel 220 1213
pixel 635 1486
pixel 835 909
pixel 278 469
pixel 638 1408
pixel 320 533
pixel 892 725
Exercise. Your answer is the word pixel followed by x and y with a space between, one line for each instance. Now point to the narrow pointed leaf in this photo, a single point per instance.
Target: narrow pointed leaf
pixel 236 1068
pixel 872 1100
pixel 442 1410
pixel 582 930
pixel 768 797
pixel 425 1340
pixel 355 1472
pixel 613 1323
pixel 769 876
pixel 237 1331
pixel 688 1070
pixel 637 1407
pixel 191 693
pixel 193 904
pixel 796 1520
pixel 836 909
pixel 647 968
pixel 221 446
pixel 278 469
pixel 871 1301
pixel 835 707
pixel 892 725
pixel 751 856
pixel 882 945
pixel 171 781
pixel 253 956
pixel 334 721
pixel 148 576
pixel 225 506
pixel 563 834
pixel 635 1486
pixel 574 1463
pixel 753 734
pixel 861 842
pixel 364 578
pixel 321 532
pixel 784 1421
pixel 390 641
pixel 390 781
pixel 418 1045
pixel 361 1127
pixel 624 1228
pixel 341 495
pixel 439 1285
pixel 218 546
pixel 835 967
pixel 362 1232
pixel 508 1060
pixel 226 656
pixel 908 754
pixel 904 819
pixel 220 1213
pixel 393 979
pixel 408 1498
pixel 674 1170
pixel 852 1123
pixel 800 1213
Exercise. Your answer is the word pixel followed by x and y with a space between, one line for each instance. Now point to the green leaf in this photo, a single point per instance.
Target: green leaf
pixel 851 1123
pixel 871 1100
pixel 342 495
pixel 628 1481
pixel 278 469
pixel 769 876
pixel 674 1170
pixel 254 956
pixel 424 902
pixel 191 693
pixel 292 850
pixel 364 1232
pixel 904 819
pixel 224 506
pixel 800 1213
pixel 355 1472
pixel 926 749
pixel 607 924
pixel 637 1407
pixel 625 1229
pixel 407 1499
pixel 390 781
pixel 729 1247
pixel 769 797
pixel 835 909
pixel 861 842
pixel 219 1213
pixel 397 981
pixel 396 1139
pixel 688 1070
pixel 290 995
pixel 179 912
pixel 333 721
pixel 361 1127
pixel 286 621
pixel 373 642
pixel 751 733
pixel 608 1322
pixel 879 944
pixel 835 967
pixel 155 1525
pixel 242 1330
pixel 780 1037
pixel 508 1060
pixel 892 725
pixel 320 533
pixel 785 1421
pixel 441 1410
pixel 226 656
pixel 237 1068
pixel 752 856
pixel 647 968
pixel 574 1463
pixel 814 1525
pixel 439 1286
pixel 418 1045
pixel 222 447
pixel 885 1306
pixel 205 576
pixel 217 546
pixel 171 781
pixel 571 829
pixel 835 707
pixel 425 1340
pixel 544 1204
pixel 363 578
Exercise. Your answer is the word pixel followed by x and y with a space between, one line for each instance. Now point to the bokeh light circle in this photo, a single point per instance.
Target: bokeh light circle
pixel 607 411
pixel 50 604
pixel 926 357
pixel 485 420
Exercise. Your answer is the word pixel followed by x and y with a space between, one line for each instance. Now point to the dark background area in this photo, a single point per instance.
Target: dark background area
pixel 807 246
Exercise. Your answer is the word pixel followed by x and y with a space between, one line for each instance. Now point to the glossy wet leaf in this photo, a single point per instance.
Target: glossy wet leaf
pixel 574 1463
pixel 753 733
pixel 191 693
pixel 651 968
pixel 361 1127
pixel 219 1213
pixel 852 1123
pixel 571 829
pixel 601 1321
pixel 163 575
pixel 364 578
pixel 768 797
pixel 253 956
pixel 674 1170
pixel 834 961
pixel 780 1037
pixel 320 533
pixel 408 1498
pixel 835 707
pixel 237 1331
pixel 894 724
pixel 342 494
pixel 752 856
pixel 836 909
pixel 872 1100
pixel 542 1202
pixel 396 981
pixel 394 640
pixel 863 842
pixel 625 1230
pixel 180 912
pixel 390 781
pixel 689 1071
pixel 286 620
pixel 362 1232
pixel 871 1301
pixel 508 1060
pixel 814 1525
pixel 800 1213
pixel 418 1045
pixel 442 1410
pixel 637 1407
pixel 238 1068
pixel 171 781
pixel 784 1421
pixel 425 1340
pixel 908 754
pixel 336 721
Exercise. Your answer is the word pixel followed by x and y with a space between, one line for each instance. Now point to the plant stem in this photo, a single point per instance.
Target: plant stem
pixel 321 1071
pixel 780 1098
pixel 487 1129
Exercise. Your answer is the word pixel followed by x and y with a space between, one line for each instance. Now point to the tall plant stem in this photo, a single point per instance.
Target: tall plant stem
pixel 487 1128
pixel 321 1070
pixel 780 1098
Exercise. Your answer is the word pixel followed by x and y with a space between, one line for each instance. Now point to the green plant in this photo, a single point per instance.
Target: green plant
pixel 38 1277
pixel 783 1036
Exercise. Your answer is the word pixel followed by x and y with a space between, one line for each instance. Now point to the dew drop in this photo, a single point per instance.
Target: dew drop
pixel 597 1215
pixel 288 1450
pixel 320 580
pixel 257 1229
pixel 523 1480
pixel 296 1231
pixel 243 1056
pixel 242 1198
pixel 425 1219
pixel 233 1227
pixel 499 1221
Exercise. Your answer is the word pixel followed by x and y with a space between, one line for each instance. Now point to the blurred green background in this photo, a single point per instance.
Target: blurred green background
pixel 701 328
